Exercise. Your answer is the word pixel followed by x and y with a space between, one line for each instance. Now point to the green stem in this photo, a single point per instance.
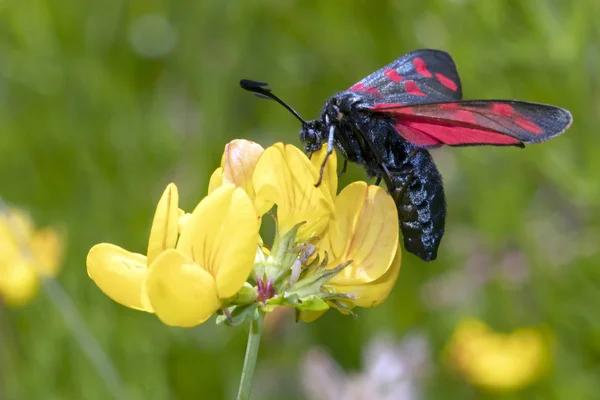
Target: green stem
pixel 254 335
pixel 84 337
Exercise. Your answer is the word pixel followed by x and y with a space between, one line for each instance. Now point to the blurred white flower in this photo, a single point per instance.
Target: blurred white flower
pixel 461 287
pixel 391 371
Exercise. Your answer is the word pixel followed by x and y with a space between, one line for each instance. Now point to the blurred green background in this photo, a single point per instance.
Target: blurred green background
pixel 103 103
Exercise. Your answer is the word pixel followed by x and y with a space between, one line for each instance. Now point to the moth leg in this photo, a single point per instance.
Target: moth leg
pixel 343 171
pixel 387 176
pixel 329 151
pixel 378 181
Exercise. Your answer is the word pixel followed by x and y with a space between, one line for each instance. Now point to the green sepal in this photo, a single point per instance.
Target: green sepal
pixel 311 302
pixel 246 295
pixel 342 307
pixel 313 283
pixel 238 315
pixel 260 261
pixel 282 257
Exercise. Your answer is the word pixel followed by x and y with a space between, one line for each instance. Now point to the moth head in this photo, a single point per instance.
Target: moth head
pixel 312 135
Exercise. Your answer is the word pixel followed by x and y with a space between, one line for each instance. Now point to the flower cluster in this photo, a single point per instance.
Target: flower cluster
pixel 498 361
pixel 330 250
pixel 26 256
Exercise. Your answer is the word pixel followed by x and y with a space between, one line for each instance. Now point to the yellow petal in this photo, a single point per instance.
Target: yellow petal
pixel 372 294
pixel 19 283
pixel 119 274
pixel 180 291
pixel 286 177
pixel 222 236
pixel 163 234
pixel 364 229
pixel 183 220
pixel 240 159
pixel 46 247
pixel 330 177
pixel 9 249
pixel 15 223
pixel 237 168
pixel 216 180
pixel 15 232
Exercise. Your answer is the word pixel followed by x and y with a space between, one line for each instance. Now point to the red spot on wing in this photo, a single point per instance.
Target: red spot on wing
pixel 421 67
pixel 465 116
pixel 393 75
pixel 449 83
pixel 357 88
pixel 361 87
pixel 413 88
pixel 385 105
pixel 503 109
pixel 415 136
pixel 372 90
pixel 395 108
pixel 450 106
pixel 427 133
pixel 528 125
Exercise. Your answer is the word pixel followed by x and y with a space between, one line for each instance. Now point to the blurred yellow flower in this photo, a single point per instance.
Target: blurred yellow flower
pixel 184 279
pixel 237 167
pixel 26 255
pixel 286 177
pixel 120 274
pixel 498 361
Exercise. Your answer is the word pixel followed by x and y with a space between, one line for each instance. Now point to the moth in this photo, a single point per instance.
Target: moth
pixel 388 121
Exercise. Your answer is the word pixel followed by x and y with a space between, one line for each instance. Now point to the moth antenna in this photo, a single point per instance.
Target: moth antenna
pixel 261 89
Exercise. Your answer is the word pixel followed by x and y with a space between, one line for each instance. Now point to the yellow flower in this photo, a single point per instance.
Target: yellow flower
pixel 237 167
pixel 498 361
pixel 26 255
pixel 286 177
pixel 120 274
pixel 364 229
pixel 212 260
pixel 184 279
pixel 199 263
pixel 359 226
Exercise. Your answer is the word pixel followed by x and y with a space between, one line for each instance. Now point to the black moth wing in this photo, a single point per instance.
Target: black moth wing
pixel 419 77
pixel 475 122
